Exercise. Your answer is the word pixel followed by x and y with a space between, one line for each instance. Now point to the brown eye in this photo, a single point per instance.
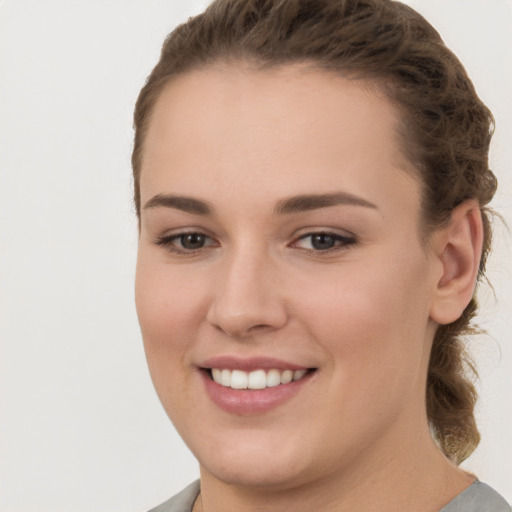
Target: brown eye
pixel 320 241
pixel 186 243
pixel 192 241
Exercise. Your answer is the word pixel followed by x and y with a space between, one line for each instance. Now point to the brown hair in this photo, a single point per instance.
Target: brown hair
pixel 445 133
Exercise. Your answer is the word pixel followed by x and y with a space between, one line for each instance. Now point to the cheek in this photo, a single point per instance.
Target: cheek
pixel 169 312
pixel 165 299
pixel 371 317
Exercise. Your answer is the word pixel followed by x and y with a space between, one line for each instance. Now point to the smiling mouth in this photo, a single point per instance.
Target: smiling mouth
pixel 257 379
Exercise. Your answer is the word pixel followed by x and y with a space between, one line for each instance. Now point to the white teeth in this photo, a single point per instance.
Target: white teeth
pixel 298 374
pixel 225 378
pixel 286 377
pixel 273 378
pixel 239 379
pixel 217 375
pixel 257 379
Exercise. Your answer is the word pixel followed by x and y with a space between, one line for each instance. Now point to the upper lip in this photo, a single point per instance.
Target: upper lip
pixel 250 364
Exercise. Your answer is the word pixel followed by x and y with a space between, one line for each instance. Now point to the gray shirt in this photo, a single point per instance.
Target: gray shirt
pixel 478 497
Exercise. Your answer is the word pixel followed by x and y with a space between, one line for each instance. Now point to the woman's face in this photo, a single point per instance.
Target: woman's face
pixel 280 237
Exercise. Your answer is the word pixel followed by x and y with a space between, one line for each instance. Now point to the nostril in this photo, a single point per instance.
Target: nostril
pixel 259 327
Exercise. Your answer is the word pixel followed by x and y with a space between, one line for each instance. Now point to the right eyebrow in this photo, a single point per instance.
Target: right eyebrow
pixel 183 203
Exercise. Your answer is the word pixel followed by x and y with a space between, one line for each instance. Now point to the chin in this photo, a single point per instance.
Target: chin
pixel 249 476
pixel 256 465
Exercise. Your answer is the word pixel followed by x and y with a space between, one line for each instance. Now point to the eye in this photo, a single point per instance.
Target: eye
pixel 192 241
pixel 323 241
pixel 185 242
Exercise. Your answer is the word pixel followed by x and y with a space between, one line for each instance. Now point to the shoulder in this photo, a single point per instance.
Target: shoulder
pixel 181 502
pixel 478 497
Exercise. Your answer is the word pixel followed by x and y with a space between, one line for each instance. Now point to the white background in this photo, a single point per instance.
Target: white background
pixel 81 428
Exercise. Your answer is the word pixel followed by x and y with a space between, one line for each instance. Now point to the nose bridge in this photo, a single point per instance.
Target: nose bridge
pixel 247 293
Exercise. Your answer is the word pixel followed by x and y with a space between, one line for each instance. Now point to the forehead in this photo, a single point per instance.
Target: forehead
pixel 296 127
pixel 242 96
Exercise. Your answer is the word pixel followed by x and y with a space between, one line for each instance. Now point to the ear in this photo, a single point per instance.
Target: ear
pixel 458 248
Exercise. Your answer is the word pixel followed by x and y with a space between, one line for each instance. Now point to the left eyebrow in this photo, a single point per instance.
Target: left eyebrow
pixel 308 202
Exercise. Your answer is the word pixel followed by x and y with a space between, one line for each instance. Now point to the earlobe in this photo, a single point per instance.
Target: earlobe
pixel 458 249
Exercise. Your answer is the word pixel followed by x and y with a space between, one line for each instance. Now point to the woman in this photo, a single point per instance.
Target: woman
pixel 311 180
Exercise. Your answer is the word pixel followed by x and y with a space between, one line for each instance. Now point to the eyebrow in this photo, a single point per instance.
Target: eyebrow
pixel 301 203
pixel 183 203
pixel 308 202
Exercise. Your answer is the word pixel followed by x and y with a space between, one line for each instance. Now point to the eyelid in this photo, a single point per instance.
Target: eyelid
pixel 166 241
pixel 343 241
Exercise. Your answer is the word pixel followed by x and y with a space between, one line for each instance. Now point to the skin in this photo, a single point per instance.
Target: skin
pixel 363 314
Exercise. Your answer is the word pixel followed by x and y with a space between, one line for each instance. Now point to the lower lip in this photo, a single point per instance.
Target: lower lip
pixel 256 401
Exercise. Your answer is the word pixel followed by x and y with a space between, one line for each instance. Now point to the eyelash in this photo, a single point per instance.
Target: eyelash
pixel 167 241
pixel 341 242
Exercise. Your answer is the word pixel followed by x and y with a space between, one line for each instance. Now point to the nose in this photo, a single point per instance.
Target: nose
pixel 247 299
